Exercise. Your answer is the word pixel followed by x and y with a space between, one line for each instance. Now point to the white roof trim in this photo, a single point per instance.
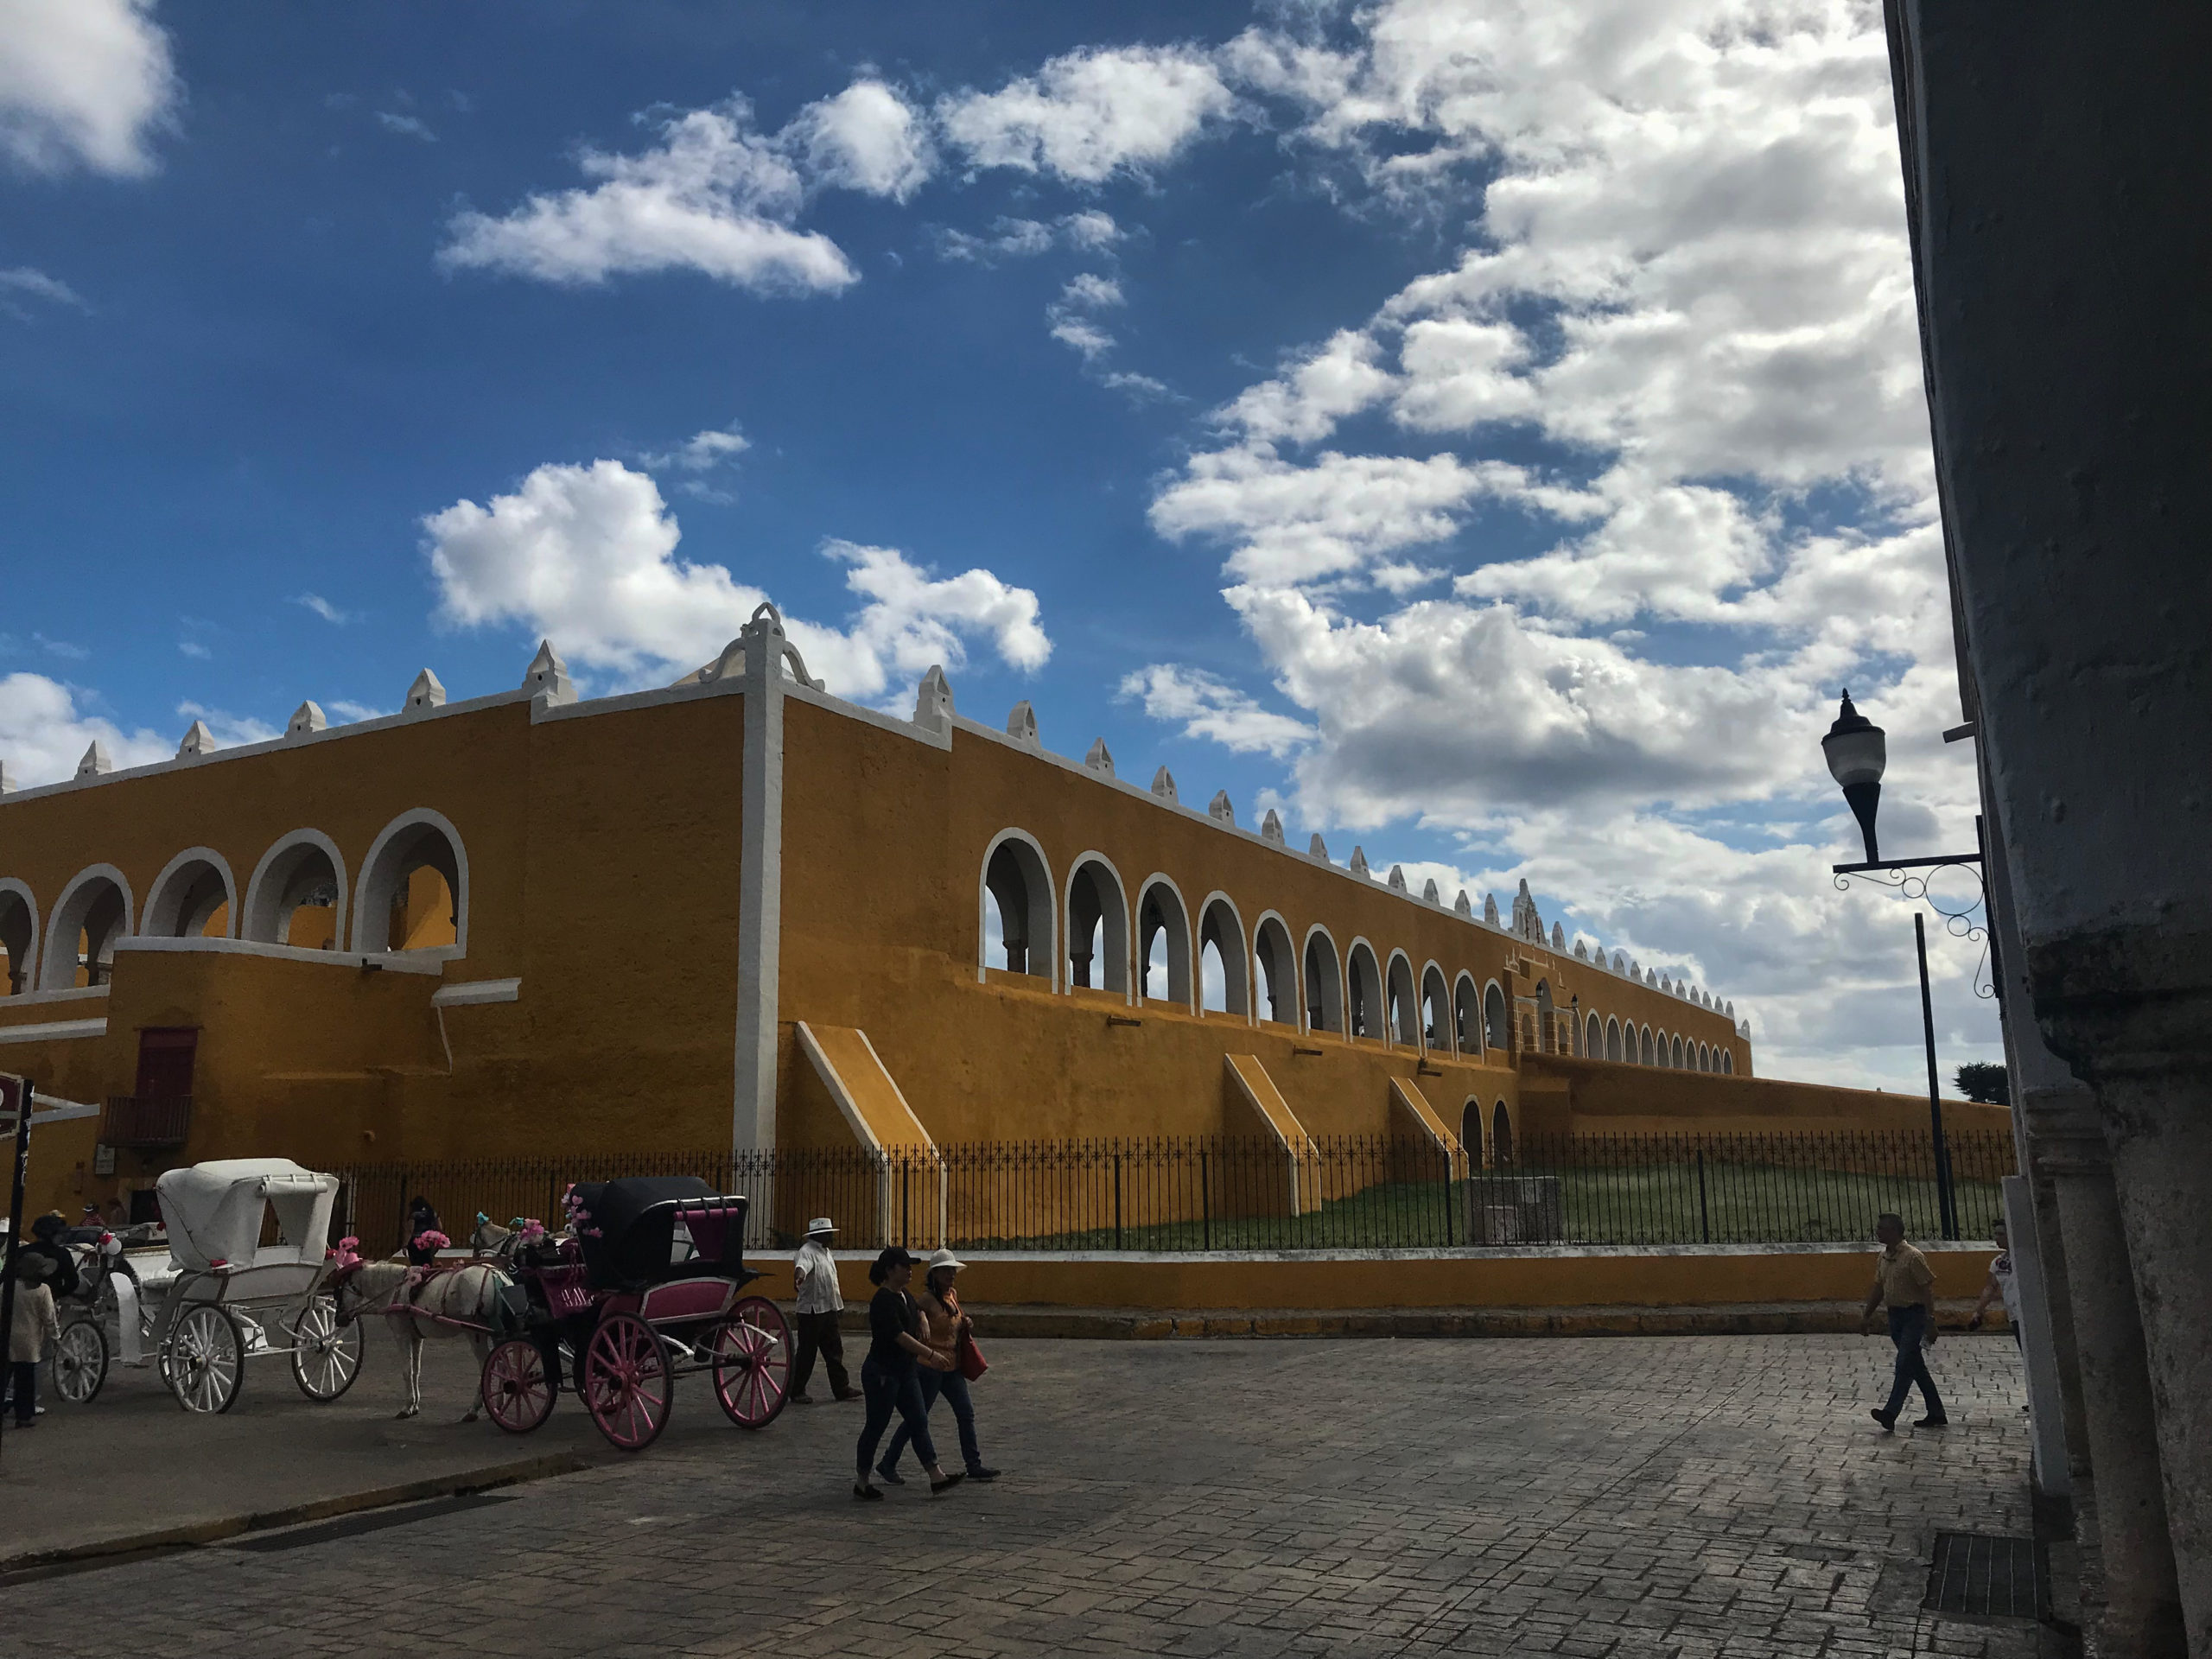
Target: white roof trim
pixel 54 1031
pixel 473 992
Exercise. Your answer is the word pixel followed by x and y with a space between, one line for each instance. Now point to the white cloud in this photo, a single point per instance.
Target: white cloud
pixel 1083 336
pixel 411 126
pixel 194 650
pixel 83 83
pixel 1091 113
pixel 715 197
pixel 586 556
pixel 44 732
pixel 1207 706
pixel 702 451
pixel 866 138
pixel 34 284
pixel 1092 230
pixel 1092 290
pixel 229 730
pixel 348 712
pixel 323 609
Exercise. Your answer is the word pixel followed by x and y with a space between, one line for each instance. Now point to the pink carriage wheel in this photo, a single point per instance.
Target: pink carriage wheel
pixel 516 1391
pixel 753 1362
pixel 627 1386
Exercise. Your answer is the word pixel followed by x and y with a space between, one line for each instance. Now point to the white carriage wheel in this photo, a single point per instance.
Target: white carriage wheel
pixel 81 1361
pixel 325 1355
pixel 207 1359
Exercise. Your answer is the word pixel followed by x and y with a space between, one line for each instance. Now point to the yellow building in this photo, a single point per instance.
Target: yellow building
pixel 740 911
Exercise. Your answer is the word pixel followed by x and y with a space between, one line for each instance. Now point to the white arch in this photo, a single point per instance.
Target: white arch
pixel 58 966
pixel 1182 979
pixel 1371 1001
pixel 1728 1062
pixel 1497 1033
pixel 266 916
pixel 1280 997
pixel 1113 927
pixel 1612 1038
pixel 1466 1015
pixel 380 873
pixel 1432 973
pixel 1398 981
pixel 165 899
pixel 1330 990
pixel 1235 970
pixel 1594 1037
pixel 25 968
pixel 1043 908
pixel 1679 1066
pixel 1643 1049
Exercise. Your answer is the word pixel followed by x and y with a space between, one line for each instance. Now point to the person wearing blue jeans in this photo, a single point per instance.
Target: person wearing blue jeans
pixel 890 1374
pixel 945 1323
pixel 1905 1283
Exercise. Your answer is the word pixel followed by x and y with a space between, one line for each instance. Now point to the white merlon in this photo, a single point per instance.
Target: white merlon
pixel 1581 951
pixel 1271 828
pixel 1021 724
pixel 307 718
pixel 1398 878
pixel 428 692
pixel 1463 905
pixel 1489 908
pixel 1101 759
pixel 1559 937
pixel 7 779
pixel 933 701
pixel 1620 962
pixel 1428 891
pixel 95 761
pixel 1358 866
pixel 547 677
pixel 1219 808
pixel 198 739
pixel 1317 847
pixel 1163 784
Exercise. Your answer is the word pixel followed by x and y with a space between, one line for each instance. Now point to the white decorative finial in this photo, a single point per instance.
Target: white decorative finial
pixel 1271 827
pixel 1559 937
pixel 1359 862
pixel 7 779
pixel 1428 891
pixel 1021 724
pixel 95 761
pixel 1398 878
pixel 428 692
pixel 1464 904
pixel 547 677
pixel 307 718
pixel 933 701
pixel 1489 908
pixel 198 739
pixel 1101 759
pixel 1581 951
pixel 1219 809
pixel 1620 962
pixel 1317 847
pixel 1163 784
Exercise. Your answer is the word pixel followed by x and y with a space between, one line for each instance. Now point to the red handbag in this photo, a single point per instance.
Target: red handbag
pixel 968 1359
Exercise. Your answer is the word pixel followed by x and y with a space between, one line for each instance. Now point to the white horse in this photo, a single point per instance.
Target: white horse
pixel 455 1302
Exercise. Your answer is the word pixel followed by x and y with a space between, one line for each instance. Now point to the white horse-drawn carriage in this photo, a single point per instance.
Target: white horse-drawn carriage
pixel 243 1277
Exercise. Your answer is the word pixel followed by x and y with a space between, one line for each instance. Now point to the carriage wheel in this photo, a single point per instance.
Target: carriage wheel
pixel 207 1359
pixel 753 1362
pixel 627 1385
pixel 516 1391
pixel 81 1361
pixel 325 1355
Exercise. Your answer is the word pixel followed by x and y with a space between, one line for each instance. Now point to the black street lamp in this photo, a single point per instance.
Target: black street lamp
pixel 1856 752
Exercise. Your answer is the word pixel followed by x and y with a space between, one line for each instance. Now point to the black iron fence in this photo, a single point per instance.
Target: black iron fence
pixel 1231 1194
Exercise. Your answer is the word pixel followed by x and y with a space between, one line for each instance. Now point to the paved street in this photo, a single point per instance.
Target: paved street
pixel 1605 1496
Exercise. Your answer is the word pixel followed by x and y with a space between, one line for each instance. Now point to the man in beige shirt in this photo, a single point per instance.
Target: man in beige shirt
pixel 1903 1281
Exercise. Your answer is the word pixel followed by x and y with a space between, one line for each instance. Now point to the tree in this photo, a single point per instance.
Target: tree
pixel 1984 1083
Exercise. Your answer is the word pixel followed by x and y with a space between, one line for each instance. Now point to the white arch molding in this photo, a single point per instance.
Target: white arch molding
pixel 1466 1015
pixel 1438 1002
pixel 1182 987
pixel 1497 1018
pixel 1276 965
pixel 22 963
pixel 1368 999
pixel 1401 987
pixel 386 863
pixel 1044 910
pixel 58 964
pixel 1109 969
pixel 177 904
pixel 1322 974
pixel 1236 953
pixel 269 900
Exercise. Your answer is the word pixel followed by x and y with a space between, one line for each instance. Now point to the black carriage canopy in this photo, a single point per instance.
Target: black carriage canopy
pixel 635 1219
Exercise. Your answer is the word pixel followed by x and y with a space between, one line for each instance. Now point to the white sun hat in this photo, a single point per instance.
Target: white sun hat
pixel 941 1259
pixel 820 1225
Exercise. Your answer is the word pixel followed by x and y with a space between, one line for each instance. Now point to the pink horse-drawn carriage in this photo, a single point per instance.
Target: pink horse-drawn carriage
pixel 645 1287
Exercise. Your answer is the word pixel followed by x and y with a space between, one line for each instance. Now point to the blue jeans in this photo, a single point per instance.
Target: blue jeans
pixel 1907 1326
pixel 888 1392
pixel 953 1387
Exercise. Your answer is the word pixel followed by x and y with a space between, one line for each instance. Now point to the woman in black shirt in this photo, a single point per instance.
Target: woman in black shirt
pixel 891 1376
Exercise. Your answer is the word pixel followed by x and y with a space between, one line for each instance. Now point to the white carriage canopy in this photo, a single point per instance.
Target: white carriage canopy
pixel 212 1212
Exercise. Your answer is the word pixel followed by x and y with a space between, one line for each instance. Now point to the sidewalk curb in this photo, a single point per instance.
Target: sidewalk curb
pixel 1141 1325
pixel 40 1563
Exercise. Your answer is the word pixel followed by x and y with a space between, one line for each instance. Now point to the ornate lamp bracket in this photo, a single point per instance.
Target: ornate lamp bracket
pixel 1909 879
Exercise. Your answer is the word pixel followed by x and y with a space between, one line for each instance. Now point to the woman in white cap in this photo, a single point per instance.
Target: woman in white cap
pixel 820 1303
pixel 944 1324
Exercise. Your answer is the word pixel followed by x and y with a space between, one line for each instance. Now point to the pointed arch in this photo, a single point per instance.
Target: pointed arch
pixel 1436 1012
pixel 185 897
pixel 1221 929
pixel 18 936
pixel 95 911
pixel 299 870
pixel 1612 1040
pixel 1018 881
pixel 1728 1062
pixel 1364 1006
pixel 1275 985
pixel 1401 1002
pixel 1500 1135
pixel 417 840
pixel 1495 1032
pixel 1097 927
pixel 1678 1051
pixel 1467 1014
pixel 1593 1038
pixel 1324 982
pixel 1471 1130
pixel 1163 919
pixel 1646 1049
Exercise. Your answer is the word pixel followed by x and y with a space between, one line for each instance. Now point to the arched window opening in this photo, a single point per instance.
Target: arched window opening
pixel 18 930
pixel 1016 883
pixel 1404 1006
pixel 1164 945
pixel 1593 1038
pixel 1471 1132
pixel 1364 1018
pixel 1278 972
pixel 92 913
pixel 1612 1040
pixel 190 899
pixel 1646 1051
pixel 1435 1010
pixel 1704 1058
pixel 1467 1016
pixel 1500 1135
pixel 1728 1062
pixel 1222 972
pixel 297 895
pixel 1325 987
pixel 1098 928
pixel 1547 1035
pixel 1496 1034
pixel 414 889
pixel 1678 1053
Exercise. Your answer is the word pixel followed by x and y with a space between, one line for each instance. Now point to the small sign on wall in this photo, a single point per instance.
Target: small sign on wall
pixel 102 1160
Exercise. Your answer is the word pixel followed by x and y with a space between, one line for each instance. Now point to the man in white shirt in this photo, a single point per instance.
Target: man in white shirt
pixel 820 1302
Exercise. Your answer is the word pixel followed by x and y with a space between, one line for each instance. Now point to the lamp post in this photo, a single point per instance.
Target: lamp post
pixel 1857 750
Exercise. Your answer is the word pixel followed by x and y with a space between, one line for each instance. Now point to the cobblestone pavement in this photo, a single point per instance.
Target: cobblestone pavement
pixel 1625 1496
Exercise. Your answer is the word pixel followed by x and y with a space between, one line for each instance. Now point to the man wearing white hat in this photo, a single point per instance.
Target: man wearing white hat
pixel 820 1302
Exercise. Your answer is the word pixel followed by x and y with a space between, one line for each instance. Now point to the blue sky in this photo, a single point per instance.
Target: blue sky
pixel 1488 433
